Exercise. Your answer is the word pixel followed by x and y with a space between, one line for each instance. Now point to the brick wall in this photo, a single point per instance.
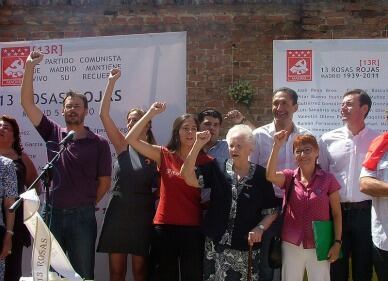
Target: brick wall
pixel 225 41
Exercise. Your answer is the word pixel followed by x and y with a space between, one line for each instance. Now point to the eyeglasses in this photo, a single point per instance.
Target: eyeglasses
pixel 305 151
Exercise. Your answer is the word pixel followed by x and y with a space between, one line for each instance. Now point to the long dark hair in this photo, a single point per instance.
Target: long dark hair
pixel 175 143
pixel 149 135
pixel 17 143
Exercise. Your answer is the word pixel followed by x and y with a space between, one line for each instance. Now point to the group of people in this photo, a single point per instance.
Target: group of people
pixel 218 201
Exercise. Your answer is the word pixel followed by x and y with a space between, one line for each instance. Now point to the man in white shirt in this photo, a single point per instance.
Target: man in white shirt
pixel 342 152
pixel 374 182
pixel 284 105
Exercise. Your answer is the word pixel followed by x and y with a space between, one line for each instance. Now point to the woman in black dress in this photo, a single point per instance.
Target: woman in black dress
pixel 127 224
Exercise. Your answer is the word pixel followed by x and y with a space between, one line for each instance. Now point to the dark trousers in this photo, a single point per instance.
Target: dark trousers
pixel 177 249
pixel 356 244
pixel 76 230
pixel 266 272
pixel 380 261
pixel 13 262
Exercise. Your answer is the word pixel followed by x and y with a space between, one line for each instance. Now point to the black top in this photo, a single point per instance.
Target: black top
pixel 236 206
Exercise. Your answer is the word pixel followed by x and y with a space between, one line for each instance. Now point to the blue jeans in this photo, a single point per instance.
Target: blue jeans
pixel 357 244
pixel 76 230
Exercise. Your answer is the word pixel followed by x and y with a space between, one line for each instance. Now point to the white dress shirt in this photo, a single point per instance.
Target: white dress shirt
pixel 263 147
pixel 379 205
pixel 342 154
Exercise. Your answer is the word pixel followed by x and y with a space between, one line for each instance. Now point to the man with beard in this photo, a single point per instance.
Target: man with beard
pixel 342 152
pixel 81 174
pixel 284 105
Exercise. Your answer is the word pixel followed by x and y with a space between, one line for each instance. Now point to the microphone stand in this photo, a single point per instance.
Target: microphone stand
pixel 46 180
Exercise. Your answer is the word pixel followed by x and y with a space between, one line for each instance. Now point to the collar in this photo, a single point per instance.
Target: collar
pixel 318 172
pixel 89 133
pixel 272 129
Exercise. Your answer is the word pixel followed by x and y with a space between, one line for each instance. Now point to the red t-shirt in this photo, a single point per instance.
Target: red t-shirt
pixel 179 203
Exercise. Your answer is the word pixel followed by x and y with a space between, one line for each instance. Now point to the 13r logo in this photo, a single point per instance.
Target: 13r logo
pixel 12 61
pixel 299 65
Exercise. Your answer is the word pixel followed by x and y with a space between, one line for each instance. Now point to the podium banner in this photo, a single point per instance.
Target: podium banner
pixel 47 250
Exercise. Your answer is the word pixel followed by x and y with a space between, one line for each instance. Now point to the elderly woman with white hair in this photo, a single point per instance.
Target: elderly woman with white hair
pixel 242 206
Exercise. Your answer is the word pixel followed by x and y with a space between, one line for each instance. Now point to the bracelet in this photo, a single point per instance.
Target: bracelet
pixel 243 120
pixel 338 241
pixel 10 232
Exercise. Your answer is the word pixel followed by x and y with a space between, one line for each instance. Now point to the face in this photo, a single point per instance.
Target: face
pixel 306 155
pixel 187 132
pixel 351 111
pixel 133 117
pixel 213 125
pixel 282 107
pixel 6 131
pixel 74 111
pixel 239 147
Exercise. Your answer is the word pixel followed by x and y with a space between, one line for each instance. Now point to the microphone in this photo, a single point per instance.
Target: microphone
pixel 70 135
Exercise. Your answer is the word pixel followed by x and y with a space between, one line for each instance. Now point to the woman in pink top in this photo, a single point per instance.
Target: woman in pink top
pixel 177 244
pixel 314 193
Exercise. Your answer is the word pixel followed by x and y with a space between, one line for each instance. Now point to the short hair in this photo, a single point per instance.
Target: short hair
pixel 175 143
pixel 150 135
pixel 209 112
pixel 17 143
pixel 364 98
pixel 72 94
pixel 305 139
pixel 243 130
pixel 293 95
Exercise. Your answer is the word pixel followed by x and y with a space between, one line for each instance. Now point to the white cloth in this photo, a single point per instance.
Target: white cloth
pixel 342 154
pixel 379 205
pixel 263 147
pixel 296 259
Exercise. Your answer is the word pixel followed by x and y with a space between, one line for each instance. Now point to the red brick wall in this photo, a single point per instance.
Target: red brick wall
pixel 218 34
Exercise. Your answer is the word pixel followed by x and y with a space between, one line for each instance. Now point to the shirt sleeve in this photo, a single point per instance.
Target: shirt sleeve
pixel 368 173
pixel 255 155
pixel 323 159
pixel 48 129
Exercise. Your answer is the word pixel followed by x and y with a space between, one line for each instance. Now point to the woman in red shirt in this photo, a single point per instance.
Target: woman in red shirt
pixel 177 244
pixel 313 193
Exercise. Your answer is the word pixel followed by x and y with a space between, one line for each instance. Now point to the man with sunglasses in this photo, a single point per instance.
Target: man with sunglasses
pixel 342 152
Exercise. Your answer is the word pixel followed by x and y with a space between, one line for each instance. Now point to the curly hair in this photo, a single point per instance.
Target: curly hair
pixel 17 143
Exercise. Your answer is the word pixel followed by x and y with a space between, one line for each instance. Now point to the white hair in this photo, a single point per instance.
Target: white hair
pixel 241 130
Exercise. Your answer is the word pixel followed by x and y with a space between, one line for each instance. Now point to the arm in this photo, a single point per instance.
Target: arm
pixel 113 133
pixel 236 117
pixel 133 136
pixel 10 219
pixel 103 187
pixel 255 235
pixel 276 177
pixel 373 187
pixel 27 91
pixel 188 167
pixel 337 221
pixel 31 172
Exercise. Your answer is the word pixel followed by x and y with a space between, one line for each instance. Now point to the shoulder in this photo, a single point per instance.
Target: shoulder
pixel 302 131
pixel 339 133
pixel 5 161
pixel 263 130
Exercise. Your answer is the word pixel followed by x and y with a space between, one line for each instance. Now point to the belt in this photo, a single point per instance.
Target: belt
pixel 356 205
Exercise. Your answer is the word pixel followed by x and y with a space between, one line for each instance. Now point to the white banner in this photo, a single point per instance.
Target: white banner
pixel 321 71
pixel 153 69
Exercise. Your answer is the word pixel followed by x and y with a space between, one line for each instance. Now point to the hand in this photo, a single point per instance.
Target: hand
pixel 280 138
pixel 115 74
pixel 254 236
pixel 201 138
pixel 34 58
pixel 7 246
pixel 334 252
pixel 157 108
pixel 234 116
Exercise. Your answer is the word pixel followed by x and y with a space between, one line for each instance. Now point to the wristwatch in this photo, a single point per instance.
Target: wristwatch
pixel 261 226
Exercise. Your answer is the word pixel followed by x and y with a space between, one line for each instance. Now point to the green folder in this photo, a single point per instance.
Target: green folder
pixel 324 238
